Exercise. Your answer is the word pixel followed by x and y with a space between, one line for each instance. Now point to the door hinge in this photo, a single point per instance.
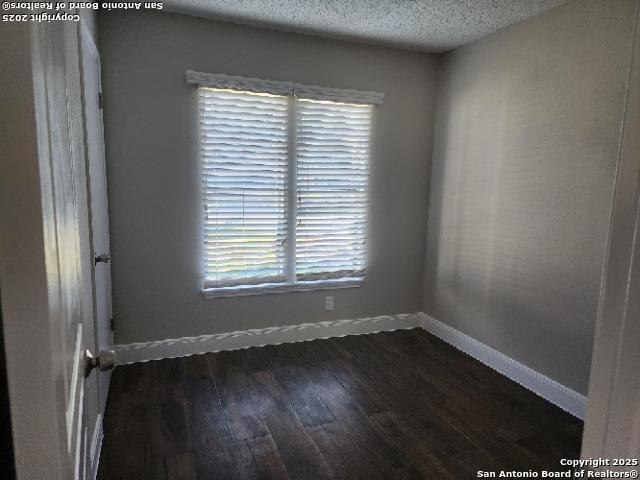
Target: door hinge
pixel 100 101
pixel 112 325
pixel 103 258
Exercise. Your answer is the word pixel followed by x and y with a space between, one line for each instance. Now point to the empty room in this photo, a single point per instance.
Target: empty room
pixel 320 239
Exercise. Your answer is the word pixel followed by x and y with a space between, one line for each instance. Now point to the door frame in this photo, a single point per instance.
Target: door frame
pixel 612 423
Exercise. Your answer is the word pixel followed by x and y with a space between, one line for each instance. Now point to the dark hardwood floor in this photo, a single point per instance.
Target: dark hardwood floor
pixel 392 405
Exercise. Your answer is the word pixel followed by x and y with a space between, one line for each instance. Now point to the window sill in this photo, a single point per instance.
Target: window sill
pixel 266 288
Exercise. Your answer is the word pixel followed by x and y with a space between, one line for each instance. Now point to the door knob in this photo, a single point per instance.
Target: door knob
pixel 105 360
pixel 104 258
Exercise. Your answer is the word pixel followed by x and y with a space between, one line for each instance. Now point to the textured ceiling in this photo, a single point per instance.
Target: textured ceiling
pixel 428 25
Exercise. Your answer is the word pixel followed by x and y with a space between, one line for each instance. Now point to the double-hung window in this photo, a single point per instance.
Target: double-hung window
pixel 285 184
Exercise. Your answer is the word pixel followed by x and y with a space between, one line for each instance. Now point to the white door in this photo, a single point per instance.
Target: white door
pixel 66 227
pixel 45 263
pixel 98 208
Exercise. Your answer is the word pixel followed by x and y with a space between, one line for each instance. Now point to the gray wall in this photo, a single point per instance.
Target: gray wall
pixel 151 134
pixel 525 144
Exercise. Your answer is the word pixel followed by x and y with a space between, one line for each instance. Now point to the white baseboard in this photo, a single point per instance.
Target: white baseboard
pixel 96 447
pixel 549 389
pixel 180 347
pixel 552 391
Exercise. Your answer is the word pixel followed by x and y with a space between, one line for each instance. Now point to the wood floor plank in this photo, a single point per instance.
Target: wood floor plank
pixel 322 350
pixel 168 429
pixel 392 405
pixel 259 359
pixel 223 364
pixel 127 452
pixel 344 458
pixel 359 385
pixel 425 459
pixel 468 463
pixel 405 388
pixel 259 459
pixel 301 352
pixel 208 429
pixel 129 390
pixel 230 373
pixel 450 402
pixel 303 396
pixel 388 459
pixel 299 454
pixel 426 431
pixel 180 467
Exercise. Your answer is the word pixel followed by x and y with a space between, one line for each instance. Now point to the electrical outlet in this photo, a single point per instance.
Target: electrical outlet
pixel 328 303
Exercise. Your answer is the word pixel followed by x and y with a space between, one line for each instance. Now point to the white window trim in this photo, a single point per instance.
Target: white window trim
pixel 267 288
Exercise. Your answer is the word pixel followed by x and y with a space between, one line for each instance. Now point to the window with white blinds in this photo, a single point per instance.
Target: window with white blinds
pixel 333 157
pixel 243 144
pixel 285 184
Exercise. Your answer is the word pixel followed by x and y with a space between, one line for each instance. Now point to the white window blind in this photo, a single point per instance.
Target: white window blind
pixel 244 172
pixel 285 181
pixel 332 172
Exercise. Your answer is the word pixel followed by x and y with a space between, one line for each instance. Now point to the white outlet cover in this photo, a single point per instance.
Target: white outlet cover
pixel 328 303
